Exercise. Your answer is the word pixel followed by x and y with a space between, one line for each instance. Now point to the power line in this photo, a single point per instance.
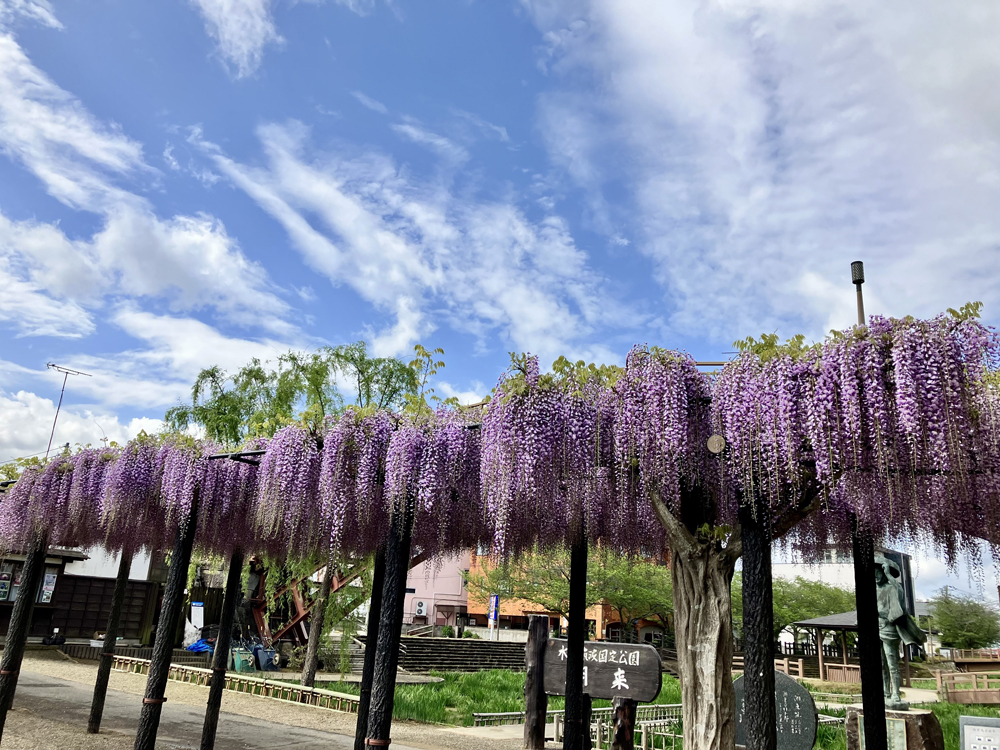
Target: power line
pixel 66 373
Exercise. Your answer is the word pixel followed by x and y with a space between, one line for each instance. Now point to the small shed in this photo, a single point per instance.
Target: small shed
pixel 843 622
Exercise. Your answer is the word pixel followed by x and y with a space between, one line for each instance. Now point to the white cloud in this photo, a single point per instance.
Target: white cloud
pixel 770 143
pixel 242 28
pixel 36 10
pixel 52 280
pixel 445 389
pixel 446 148
pixel 26 422
pixel 55 137
pixel 160 373
pixel 372 104
pixel 422 252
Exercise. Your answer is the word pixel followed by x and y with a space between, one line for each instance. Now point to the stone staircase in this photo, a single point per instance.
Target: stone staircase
pixel 422 654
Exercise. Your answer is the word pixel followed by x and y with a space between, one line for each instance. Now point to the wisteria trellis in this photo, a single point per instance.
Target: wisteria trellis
pixel 898 422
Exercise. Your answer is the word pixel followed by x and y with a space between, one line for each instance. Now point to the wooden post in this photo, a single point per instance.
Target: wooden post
pixel 536 702
pixel 573 739
pixel 170 613
pixel 759 719
pixel 316 625
pixel 819 650
pixel 371 640
pixel 20 623
pixel 869 643
pixel 843 644
pixel 397 563
pixel 906 666
pixel 108 650
pixel 220 660
pixel 624 727
pixel 588 713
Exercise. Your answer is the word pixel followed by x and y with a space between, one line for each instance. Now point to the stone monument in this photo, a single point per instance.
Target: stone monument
pixel 795 714
pixel 894 625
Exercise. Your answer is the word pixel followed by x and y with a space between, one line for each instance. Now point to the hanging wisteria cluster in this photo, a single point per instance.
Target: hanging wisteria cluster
pixel 896 424
pixel 546 458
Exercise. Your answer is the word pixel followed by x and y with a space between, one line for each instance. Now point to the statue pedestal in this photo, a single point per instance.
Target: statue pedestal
pixel 914 729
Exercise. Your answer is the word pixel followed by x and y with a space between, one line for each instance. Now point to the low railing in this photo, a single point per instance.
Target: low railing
pixel 969 687
pixel 276 690
pixel 972 654
pixel 838 698
pixel 846 673
pixel 791 667
pixel 602 720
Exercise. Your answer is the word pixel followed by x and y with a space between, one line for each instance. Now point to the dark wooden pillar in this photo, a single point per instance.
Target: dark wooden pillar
pixel 623 737
pixel 170 613
pixel 536 702
pixel 371 641
pixel 316 618
pixel 20 623
pixel 588 713
pixel 397 564
pixel 108 650
pixel 573 737
pixel 220 659
pixel 758 625
pixel 869 643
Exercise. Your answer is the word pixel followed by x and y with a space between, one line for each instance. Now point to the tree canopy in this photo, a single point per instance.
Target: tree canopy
pixel 794 600
pixel 636 589
pixel 964 622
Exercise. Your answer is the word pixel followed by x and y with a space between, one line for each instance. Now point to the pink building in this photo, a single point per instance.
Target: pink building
pixel 438 591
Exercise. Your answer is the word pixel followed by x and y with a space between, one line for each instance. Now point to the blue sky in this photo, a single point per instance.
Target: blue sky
pixel 193 183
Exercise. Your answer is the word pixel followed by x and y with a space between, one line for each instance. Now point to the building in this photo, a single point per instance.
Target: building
pixel 436 593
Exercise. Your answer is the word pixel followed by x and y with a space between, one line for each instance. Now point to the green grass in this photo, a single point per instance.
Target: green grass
pixel 461 694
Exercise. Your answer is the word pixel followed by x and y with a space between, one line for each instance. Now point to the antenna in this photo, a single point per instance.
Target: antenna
pixel 66 373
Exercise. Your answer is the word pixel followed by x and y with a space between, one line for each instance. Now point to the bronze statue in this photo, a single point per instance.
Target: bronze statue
pixel 895 625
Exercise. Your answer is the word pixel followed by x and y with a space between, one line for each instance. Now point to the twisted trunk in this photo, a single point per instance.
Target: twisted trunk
pixel 702 575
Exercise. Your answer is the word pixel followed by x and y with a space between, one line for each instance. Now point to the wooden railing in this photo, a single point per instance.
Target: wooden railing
pixel 276 690
pixel 791 667
pixel 974 654
pixel 847 673
pixel 969 687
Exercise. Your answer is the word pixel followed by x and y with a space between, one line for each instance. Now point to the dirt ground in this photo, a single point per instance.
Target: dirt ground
pixel 28 731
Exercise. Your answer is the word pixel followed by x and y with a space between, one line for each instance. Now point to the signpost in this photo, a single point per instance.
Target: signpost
pixel 795 714
pixel 610 670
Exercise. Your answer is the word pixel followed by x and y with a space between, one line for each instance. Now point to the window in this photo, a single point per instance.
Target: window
pixel 6 573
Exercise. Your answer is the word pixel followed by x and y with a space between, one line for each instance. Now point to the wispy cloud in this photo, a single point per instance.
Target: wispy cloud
pixel 242 29
pixel 190 261
pixel 444 147
pixel 39 11
pixel 764 145
pixel 372 104
pixel 423 253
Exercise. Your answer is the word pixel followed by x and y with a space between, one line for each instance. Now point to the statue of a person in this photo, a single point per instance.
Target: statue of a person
pixel 895 625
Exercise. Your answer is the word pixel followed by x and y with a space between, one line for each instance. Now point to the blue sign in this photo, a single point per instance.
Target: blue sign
pixel 494 607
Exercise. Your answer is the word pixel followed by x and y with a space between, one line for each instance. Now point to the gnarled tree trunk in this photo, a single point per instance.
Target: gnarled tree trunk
pixel 702 575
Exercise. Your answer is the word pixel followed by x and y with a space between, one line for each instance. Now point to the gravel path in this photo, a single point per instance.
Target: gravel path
pixel 52 664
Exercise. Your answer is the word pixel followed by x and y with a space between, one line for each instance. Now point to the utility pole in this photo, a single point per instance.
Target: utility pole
pixel 66 373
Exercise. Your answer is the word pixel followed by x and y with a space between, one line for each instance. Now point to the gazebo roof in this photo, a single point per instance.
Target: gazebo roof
pixel 843 621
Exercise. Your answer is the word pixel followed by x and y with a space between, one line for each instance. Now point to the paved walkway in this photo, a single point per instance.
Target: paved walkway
pixel 180 724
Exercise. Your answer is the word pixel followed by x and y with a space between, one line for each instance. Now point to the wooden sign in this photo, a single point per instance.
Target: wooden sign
pixel 610 670
pixel 795 713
